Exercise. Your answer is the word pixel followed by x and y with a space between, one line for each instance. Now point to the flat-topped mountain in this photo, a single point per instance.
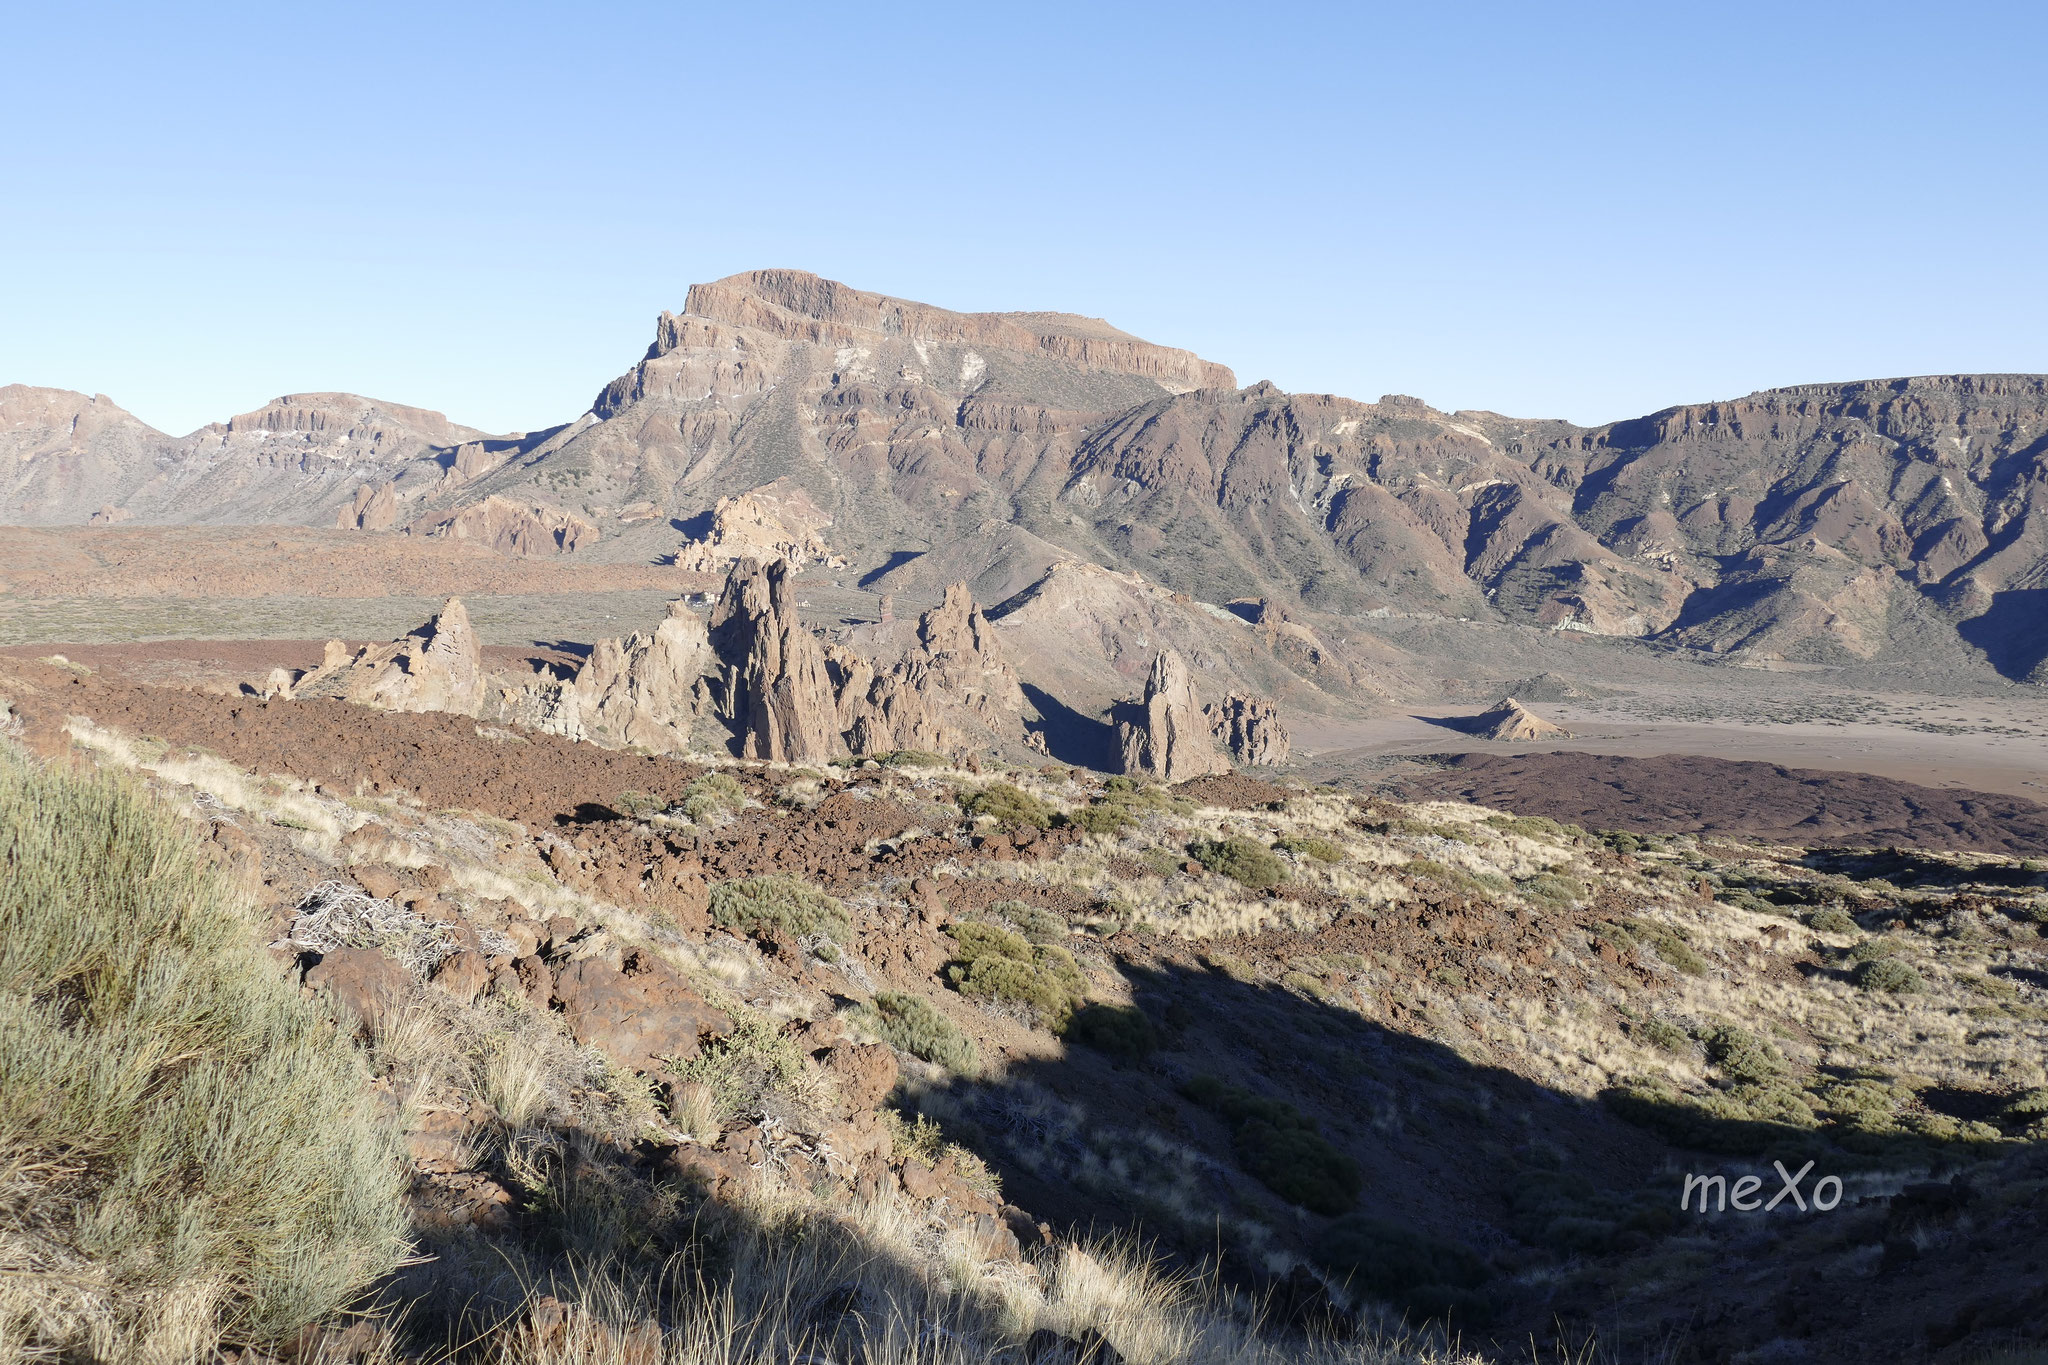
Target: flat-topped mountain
pixel 1828 523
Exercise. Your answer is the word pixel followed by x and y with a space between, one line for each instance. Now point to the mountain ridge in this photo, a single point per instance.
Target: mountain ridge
pixel 1837 522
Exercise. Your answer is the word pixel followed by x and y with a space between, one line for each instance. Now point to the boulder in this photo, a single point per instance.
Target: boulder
pixel 362 981
pixel 639 1012
pixel 1164 735
pixel 864 1073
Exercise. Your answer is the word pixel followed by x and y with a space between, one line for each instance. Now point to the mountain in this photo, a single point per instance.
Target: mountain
pixel 1834 523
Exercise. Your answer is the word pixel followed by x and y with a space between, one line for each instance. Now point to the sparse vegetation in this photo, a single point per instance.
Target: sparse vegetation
pixel 1241 860
pixel 1426 1276
pixel 786 903
pixel 1120 1030
pixel 1831 920
pixel 1888 975
pixel 1311 846
pixel 912 1024
pixel 995 964
pixel 1009 806
pixel 1281 1147
pixel 712 798
pixel 186 1146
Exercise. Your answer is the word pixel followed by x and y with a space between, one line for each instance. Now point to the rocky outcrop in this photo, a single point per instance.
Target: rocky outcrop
pixel 634 1008
pixel 649 689
pixel 373 509
pixel 779 691
pixel 1250 728
pixel 1514 723
pixel 517 528
pixel 438 667
pixel 775 521
pixel 1164 735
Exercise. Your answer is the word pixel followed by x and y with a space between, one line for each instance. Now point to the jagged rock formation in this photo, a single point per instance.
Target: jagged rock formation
pixel 373 509
pixel 1164 735
pixel 1250 728
pixel 517 528
pixel 647 690
pixel 438 667
pixel 779 691
pixel 1828 523
pixel 1515 723
pixel 775 521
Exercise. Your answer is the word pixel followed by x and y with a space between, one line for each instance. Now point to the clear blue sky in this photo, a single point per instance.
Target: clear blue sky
pixel 1586 211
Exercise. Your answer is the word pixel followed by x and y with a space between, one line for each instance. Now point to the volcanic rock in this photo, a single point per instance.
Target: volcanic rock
pixel 779 691
pixel 1250 728
pixel 438 667
pixel 637 1011
pixel 647 690
pixel 775 521
pixel 1515 723
pixel 1163 735
pixel 517 528
pixel 374 509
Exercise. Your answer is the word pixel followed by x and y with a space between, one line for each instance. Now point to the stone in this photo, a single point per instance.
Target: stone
pixel 864 1073
pixel 463 975
pixel 648 689
pixel 775 521
pixel 361 981
pixel 438 667
pixel 1163 735
pixel 517 528
pixel 779 690
pixel 640 1013
pixel 1250 728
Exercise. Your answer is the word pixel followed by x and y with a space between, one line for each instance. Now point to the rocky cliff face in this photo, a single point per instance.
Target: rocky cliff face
pixel 779 690
pixel 1250 728
pixel 1822 523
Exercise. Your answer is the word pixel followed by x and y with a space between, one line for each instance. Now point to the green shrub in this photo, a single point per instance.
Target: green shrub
pixel 906 1022
pixel 1241 860
pixel 1832 920
pixel 1120 1030
pixel 1668 945
pixel 753 1060
pixel 1552 888
pixel 993 963
pixel 1280 1147
pixel 1621 840
pixel 913 758
pixel 1740 1056
pixel 1889 975
pixel 1871 950
pixel 1311 846
pixel 2029 1106
pixel 711 796
pixel 1037 925
pixel 637 805
pixel 785 903
pixel 1009 806
pixel 174 1118
pixel 1662 1033
pixel 1101 817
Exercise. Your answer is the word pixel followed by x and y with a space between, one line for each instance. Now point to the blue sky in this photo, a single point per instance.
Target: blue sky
pixel 1584 211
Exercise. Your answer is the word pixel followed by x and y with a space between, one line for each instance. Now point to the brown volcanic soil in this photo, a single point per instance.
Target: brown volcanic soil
pixel 1691 793
pixel 292 561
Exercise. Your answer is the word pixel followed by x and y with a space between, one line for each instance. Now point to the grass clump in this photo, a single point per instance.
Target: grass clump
pixel 1311 846
pixel 1036 924
pixel 786 903
pixel 1241 860
pixel 1887 975
pixel 636 805
pixel 911 1024
pixel 1427 1276
pixel 913 758
pixel 993 963
pixel 188 1146
pixel 711 798
pixel 1832 919
pixel 1740 1055
pixel 1665 1035
pixel 1120 1030
pixel 738 1069
pixel 1281 1147
pixel 1009 806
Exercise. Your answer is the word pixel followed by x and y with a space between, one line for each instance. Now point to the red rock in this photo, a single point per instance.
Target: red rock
pixel 639 1013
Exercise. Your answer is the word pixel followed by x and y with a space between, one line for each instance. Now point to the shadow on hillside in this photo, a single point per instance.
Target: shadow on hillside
pixel 1070 736
pixel 1234 1120
pixel 2012 632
